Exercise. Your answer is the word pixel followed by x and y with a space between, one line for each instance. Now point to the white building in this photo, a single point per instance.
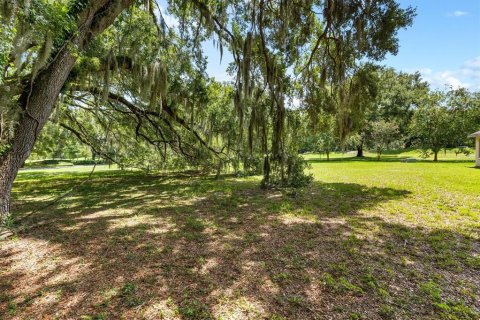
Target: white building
pixel 476 135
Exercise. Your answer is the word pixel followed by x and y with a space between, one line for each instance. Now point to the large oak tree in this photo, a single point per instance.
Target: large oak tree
pixel 41 88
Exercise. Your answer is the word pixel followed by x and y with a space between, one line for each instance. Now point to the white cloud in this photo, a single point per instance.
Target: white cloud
pixel 444 79
pixel 459 13
pixel 449 79
pixel 471 68
pixel 467 76
pixel 473 63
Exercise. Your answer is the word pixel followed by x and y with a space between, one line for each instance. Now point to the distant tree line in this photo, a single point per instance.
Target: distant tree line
pixel 402 112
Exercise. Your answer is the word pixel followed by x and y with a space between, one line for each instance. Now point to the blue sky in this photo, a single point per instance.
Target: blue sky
pixel 443 44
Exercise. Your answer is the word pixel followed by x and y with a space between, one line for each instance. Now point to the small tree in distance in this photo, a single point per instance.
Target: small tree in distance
pixel 431 126
pixel 382 135
pixel 327 139
pixel 326 143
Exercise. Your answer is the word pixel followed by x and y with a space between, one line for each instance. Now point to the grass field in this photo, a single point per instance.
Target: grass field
pixel 367 240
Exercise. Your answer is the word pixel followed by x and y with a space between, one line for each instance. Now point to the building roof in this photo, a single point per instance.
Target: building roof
pixel 476 134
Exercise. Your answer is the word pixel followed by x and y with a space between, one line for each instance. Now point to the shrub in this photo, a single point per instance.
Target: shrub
pixel 293 176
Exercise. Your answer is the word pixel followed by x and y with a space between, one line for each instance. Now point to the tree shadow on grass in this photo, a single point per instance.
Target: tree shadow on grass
pixel 196 248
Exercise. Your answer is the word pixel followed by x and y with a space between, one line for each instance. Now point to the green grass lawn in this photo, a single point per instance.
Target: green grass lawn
pixel 367 240
pixel 396 155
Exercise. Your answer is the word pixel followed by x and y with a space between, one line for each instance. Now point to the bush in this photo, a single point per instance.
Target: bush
pixel 294 175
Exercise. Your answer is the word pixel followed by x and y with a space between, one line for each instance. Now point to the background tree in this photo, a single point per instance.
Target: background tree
pixel 327 139
pixel 393 97
pixel 55 142
pixel 350 102
pixel 446 120
pixel 399 94
pixel 464 107
pixel 382 136
pixel 431 126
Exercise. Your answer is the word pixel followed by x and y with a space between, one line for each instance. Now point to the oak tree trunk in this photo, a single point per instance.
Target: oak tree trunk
pixel 360 151
pixel 39 96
